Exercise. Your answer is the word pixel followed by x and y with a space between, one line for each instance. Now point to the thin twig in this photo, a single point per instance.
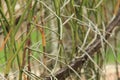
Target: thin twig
pixel 94 47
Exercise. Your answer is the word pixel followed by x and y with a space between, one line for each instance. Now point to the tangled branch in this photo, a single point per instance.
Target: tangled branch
pixel 94 47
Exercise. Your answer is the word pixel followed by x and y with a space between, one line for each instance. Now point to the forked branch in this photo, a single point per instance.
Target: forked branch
pixel 94 47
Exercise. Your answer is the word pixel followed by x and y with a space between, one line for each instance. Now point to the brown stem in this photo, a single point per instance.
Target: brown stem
pixel 94 47
pixel 29 52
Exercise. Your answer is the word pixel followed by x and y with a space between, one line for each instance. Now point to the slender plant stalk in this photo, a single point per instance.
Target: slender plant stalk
pixel 76 24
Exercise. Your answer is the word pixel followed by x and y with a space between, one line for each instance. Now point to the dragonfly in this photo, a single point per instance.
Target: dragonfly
pixel 5 41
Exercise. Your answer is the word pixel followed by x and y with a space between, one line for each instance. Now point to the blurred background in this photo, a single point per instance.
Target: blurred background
pixel 39 37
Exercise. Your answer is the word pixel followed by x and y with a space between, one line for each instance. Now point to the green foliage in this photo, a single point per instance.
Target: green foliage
pixel 69 27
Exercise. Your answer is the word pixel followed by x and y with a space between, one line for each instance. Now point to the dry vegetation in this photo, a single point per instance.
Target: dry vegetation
pixel 59 39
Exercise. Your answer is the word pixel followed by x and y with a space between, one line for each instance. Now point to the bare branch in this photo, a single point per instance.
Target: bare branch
pixel 94 47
